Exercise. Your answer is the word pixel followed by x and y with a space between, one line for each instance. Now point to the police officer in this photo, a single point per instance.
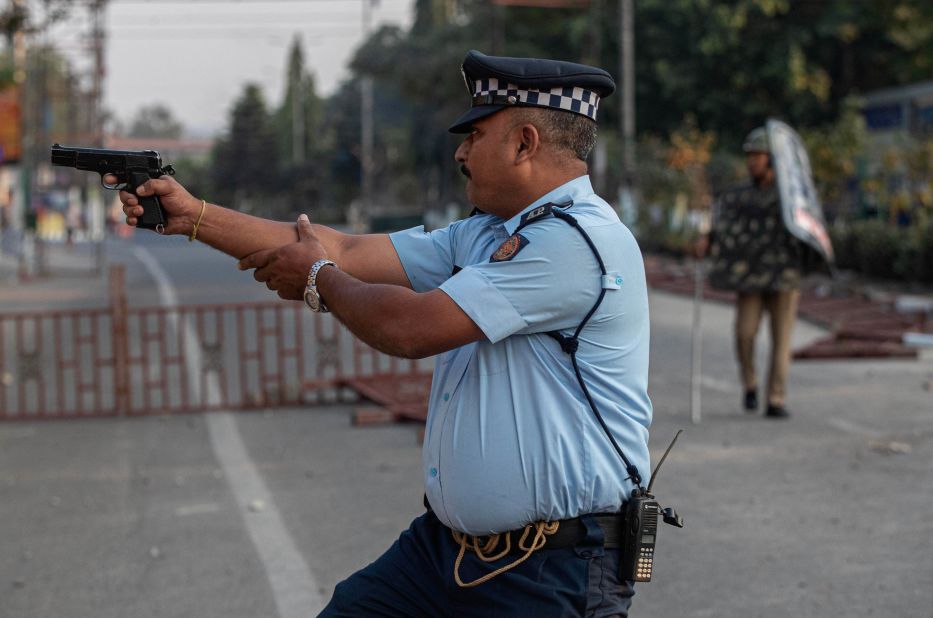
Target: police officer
pixel 537 296
pixel 754 255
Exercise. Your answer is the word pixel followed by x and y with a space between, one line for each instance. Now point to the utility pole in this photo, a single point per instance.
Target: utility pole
pixel 497 31
pixel 593 57
pixel 20 78
pixel 366 120
pixel 297 91
pixel 98 36
pixel 94 214
pixel 298 121
pixel 627 202
pixel 594 45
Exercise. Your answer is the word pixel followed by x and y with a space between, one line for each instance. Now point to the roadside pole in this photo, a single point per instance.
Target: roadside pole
pixel 696 364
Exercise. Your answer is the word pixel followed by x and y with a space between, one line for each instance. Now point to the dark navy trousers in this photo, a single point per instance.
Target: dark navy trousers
pixel 415 577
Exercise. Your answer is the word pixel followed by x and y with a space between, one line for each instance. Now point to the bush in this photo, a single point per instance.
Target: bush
pixel 877 249
pixel 916 261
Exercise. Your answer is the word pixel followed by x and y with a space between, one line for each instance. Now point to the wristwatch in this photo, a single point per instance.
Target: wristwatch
pixel 312 297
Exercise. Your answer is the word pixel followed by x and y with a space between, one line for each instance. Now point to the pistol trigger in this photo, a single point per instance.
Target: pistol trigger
pixel 113 187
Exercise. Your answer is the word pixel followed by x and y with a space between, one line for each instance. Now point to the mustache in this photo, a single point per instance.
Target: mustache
pixel 465 171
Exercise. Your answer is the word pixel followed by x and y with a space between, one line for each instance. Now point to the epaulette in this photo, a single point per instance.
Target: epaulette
pixel 541 212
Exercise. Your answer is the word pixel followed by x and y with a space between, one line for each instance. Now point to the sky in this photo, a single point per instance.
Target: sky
pixel 194 56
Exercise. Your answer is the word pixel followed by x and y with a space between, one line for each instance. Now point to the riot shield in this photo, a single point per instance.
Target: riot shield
pixel 800 204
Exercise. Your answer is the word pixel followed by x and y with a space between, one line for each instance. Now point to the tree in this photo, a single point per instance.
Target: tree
pixel 297 127
pixel 245 171
pixel 727 64
pixel 298 118
pixel 22 17
pixel 155 120
pixel 730 63
pixel 733 64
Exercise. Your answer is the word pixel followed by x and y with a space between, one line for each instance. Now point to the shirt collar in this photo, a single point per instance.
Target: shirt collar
pixel 567 192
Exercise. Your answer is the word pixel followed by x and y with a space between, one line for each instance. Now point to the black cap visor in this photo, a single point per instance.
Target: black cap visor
pixel 465 122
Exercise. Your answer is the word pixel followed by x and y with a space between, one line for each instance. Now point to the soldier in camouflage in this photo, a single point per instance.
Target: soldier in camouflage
pixel 754 255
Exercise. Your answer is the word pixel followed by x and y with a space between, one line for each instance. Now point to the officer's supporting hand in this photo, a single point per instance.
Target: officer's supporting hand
pixel 181 207
pixel 285 269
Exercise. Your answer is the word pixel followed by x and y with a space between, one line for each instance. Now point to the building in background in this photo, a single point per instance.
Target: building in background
pixel 898 163
pixel 896 113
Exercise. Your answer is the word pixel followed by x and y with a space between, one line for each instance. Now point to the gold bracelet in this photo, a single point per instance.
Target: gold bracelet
pixel 194 232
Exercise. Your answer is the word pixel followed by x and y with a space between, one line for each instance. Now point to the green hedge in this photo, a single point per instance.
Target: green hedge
pixel 877 249
pixel 872 248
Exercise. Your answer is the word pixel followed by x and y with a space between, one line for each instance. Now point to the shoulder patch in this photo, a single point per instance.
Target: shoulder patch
pixel 509 249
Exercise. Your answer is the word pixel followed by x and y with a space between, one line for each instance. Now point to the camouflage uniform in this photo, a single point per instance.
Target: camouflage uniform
pixel 754 255
pixel 752 251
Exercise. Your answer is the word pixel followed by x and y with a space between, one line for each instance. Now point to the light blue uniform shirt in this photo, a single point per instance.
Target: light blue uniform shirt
pixel 510 438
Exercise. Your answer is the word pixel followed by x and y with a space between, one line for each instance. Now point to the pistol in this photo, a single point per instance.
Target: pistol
pixel 131 168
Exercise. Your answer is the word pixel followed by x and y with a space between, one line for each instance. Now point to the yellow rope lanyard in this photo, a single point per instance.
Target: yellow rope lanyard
pixel 542 529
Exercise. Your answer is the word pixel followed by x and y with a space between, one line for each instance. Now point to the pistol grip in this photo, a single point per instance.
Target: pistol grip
pixel 153 217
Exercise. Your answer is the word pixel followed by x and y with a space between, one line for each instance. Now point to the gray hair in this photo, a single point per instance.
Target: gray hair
pixel 566 132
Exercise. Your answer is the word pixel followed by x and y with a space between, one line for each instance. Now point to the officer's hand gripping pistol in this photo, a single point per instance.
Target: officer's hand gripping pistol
pixel 131 169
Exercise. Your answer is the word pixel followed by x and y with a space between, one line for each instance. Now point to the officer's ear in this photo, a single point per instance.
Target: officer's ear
pixel 529 141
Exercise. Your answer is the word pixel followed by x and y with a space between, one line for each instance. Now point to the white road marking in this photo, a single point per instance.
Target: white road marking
pixel 294 588
pixel 848 426
pixel 197 509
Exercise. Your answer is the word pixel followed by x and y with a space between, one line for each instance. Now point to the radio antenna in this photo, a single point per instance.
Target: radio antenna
pixel 654 474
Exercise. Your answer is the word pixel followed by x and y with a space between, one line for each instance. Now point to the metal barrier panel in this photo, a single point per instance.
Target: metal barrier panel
pixel 158 360
pixel 57 365
pixel 234 356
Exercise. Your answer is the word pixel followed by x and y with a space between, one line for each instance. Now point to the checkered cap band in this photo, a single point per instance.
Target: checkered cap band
pixel 578 100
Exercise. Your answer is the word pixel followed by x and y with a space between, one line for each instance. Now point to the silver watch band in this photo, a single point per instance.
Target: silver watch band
pixel 312 284
pixel 315 268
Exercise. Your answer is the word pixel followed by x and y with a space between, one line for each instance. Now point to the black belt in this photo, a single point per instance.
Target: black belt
pixel 569 533
pixel 572 531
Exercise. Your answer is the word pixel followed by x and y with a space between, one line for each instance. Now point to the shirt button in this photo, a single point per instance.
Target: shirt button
pixel 618 280
pixel 433 472
pixel 446 396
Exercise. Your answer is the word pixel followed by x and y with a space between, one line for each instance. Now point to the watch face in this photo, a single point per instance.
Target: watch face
pixel 312 299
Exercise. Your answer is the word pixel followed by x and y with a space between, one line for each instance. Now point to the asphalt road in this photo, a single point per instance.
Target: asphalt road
pixel 261 514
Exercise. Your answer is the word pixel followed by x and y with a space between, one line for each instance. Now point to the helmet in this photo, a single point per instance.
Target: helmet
pixel 757 141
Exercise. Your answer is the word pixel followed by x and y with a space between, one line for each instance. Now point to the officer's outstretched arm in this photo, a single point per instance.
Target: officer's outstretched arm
pixel 369 257
pixel 395 319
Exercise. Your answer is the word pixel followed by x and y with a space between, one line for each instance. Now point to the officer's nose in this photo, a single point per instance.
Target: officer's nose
pixel 462 150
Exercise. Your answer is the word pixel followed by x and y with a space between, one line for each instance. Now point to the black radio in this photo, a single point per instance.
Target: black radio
pixel 640 528
pixel 641 531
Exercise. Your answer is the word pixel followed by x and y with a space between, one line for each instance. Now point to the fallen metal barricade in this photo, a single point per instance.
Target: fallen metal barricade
pixel 128 361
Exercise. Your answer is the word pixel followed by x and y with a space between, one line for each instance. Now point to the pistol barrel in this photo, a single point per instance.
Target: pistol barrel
pixel 66 157
pixel 104 160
